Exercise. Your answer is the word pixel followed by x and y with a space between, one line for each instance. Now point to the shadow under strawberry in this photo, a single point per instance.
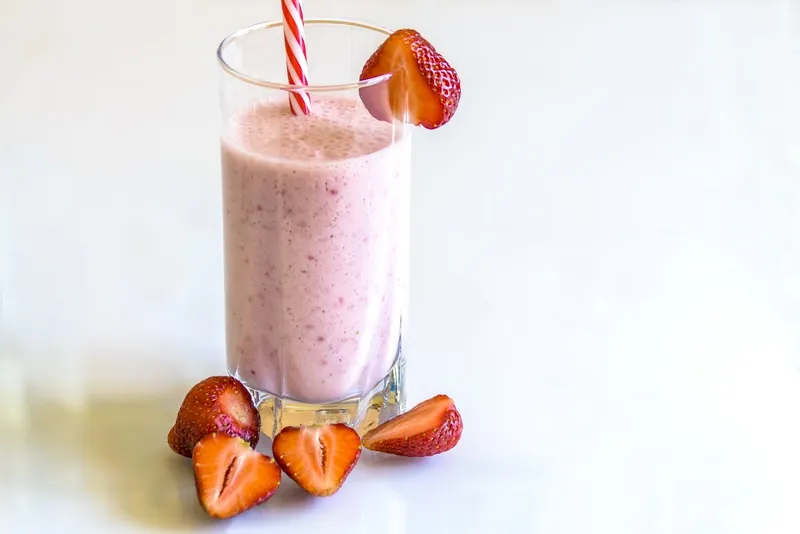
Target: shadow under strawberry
pixel 379 460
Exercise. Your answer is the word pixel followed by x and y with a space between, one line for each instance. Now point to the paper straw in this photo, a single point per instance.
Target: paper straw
pixel 296 57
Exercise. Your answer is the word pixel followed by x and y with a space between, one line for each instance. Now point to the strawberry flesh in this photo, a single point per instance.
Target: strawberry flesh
pixel 230 477
pixel 423 88
pixel 432 427
pixel 217 404
pixel 318 457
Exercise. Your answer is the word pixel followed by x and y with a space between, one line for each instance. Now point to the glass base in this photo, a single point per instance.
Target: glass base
pixel 385 401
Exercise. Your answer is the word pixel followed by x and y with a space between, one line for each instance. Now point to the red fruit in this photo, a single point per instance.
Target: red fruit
pixel 217 404
pixel 230 477
pixel 423 89
pixel 431 427
pixel 318 457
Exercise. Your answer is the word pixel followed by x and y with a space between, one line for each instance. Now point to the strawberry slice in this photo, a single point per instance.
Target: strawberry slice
pixel 318 457
pixel 423 89
pixel 230 477
pixel 217 404
pixel 432 427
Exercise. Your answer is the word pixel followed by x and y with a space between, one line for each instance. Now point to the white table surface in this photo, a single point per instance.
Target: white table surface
pixel 606 268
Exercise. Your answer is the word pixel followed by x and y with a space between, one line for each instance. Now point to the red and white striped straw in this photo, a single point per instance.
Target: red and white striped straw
pixel 296 57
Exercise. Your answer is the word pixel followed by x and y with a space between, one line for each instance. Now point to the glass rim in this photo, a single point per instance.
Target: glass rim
pixel 298 88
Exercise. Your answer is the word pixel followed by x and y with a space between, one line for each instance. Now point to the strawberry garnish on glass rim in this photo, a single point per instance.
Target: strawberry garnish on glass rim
pixel 423 88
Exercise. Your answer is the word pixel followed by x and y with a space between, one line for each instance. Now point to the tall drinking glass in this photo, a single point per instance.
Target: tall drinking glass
pixel 315 229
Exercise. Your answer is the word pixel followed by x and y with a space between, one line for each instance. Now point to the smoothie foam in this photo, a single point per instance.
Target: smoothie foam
pixel 315 248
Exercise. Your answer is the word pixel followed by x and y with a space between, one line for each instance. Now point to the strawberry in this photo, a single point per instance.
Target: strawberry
pixel 217 404
pixel 423 89
pixel 431 427
pixel 230 477
pixel 318 457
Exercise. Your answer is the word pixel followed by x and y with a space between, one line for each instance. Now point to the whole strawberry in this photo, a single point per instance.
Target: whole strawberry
pixel 218 404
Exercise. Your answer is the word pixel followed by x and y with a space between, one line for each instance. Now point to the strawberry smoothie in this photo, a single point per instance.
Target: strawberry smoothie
pixel 316 253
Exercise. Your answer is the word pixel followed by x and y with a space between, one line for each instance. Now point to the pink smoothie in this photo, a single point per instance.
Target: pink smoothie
pixel 315 248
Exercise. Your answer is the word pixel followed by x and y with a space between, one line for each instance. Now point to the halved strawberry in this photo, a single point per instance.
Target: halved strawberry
pixel 230 477
pixel 432 427
pixel 318 457
pixel 423 89
pixel 217 404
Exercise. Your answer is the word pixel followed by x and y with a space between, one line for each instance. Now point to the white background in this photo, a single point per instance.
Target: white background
pixel 606 268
